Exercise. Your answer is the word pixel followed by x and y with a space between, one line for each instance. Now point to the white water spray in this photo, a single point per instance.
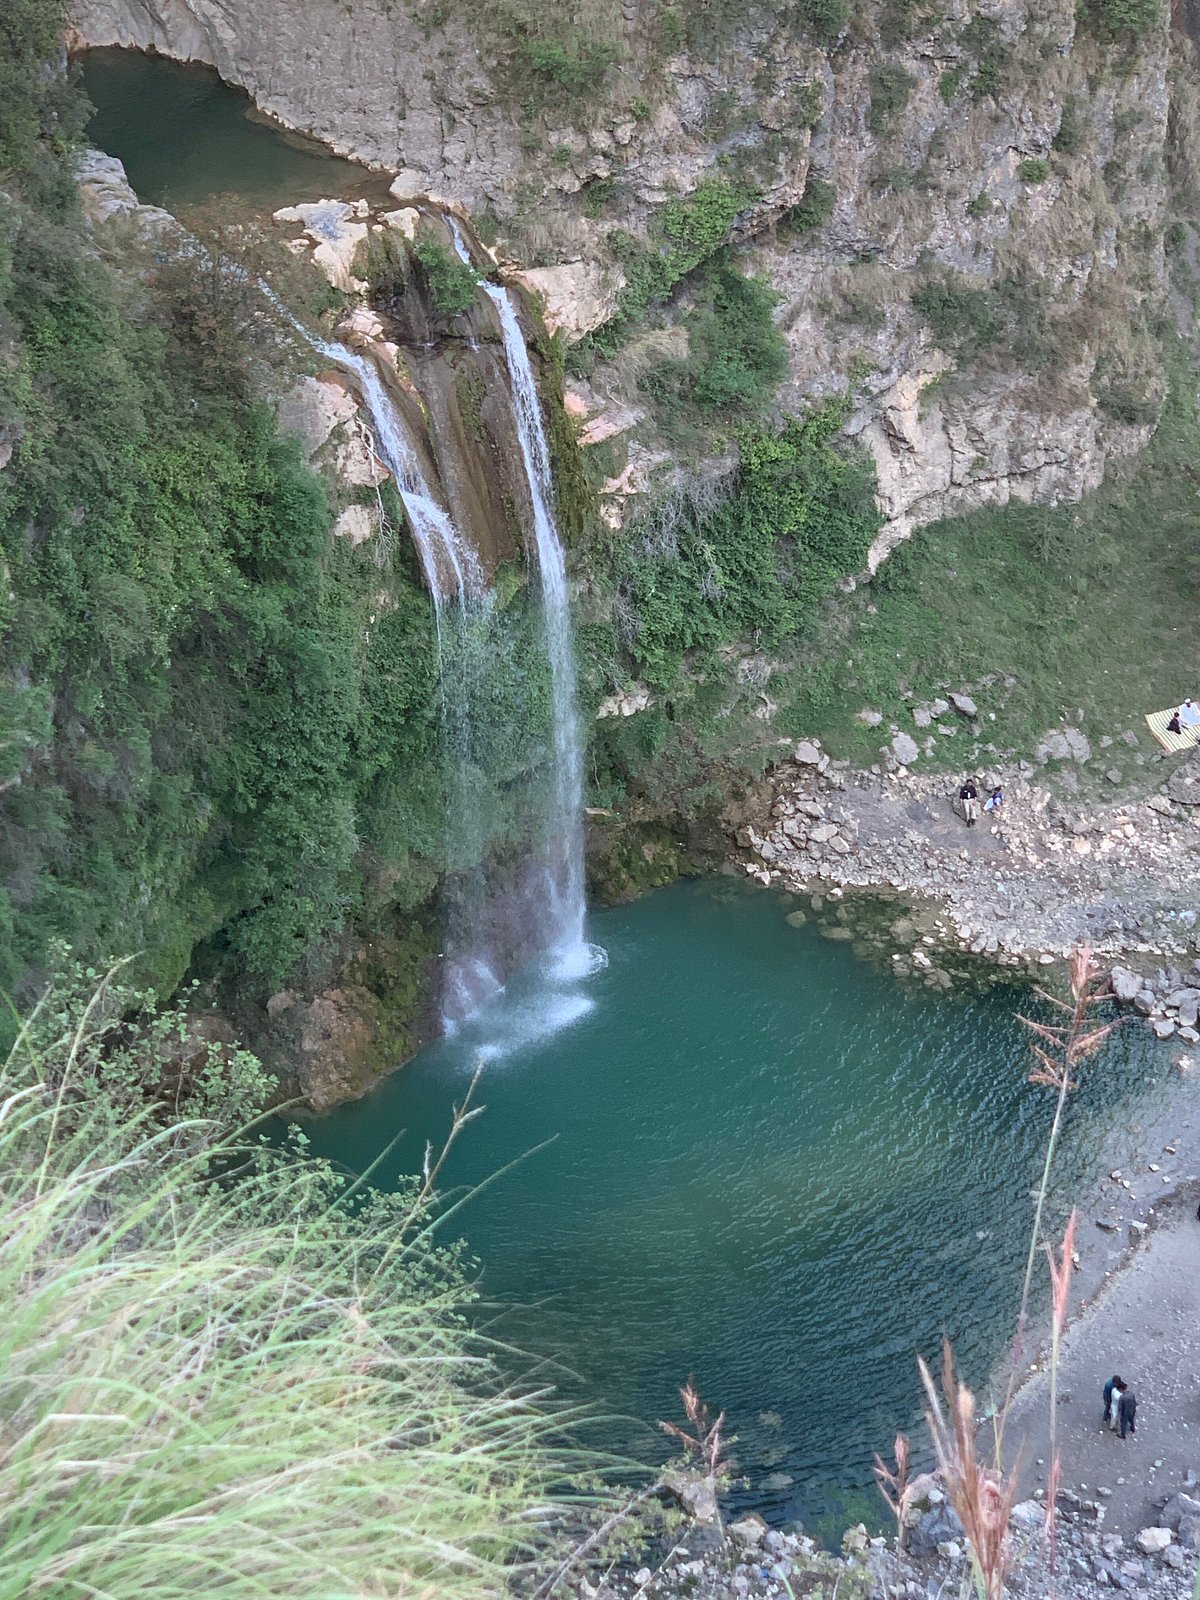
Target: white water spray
pixel 554 891
pixel 566 902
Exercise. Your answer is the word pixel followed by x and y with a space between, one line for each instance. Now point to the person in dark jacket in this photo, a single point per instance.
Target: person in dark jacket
pixel 1112 1395
pixel 1127 1411
pixel 969 799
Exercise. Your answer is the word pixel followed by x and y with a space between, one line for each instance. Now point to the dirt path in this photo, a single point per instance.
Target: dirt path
pixel 1145 1325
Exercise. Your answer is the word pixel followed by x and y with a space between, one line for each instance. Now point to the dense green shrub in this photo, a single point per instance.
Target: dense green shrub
pixel 37 105
pixel 1071 136
pixel 737 356
pixel 891 86
pixel 452 283
pixel 964 319
pixel 1033 169
pixel 813 209
pixel 824 20
pixel 1123 19
pixel 948 84
pixel 799 515
pixel 686 231
pixel 575 68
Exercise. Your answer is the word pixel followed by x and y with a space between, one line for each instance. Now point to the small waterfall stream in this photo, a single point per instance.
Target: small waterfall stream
pixel 546 894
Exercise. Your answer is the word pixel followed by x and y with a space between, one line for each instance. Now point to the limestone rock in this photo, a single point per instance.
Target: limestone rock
pixel 964 705
pixel 356 523
pixel 1178 1507
pixel 337 234
pixel 1125 984
pixel 807 754
pixel 404 220
pixel 106 194
pixel 626 704
pixel 312 408
pixel 1153 1541
pixel 576 296
pixel 905 748
pixel 1065 744
pixel 748 1531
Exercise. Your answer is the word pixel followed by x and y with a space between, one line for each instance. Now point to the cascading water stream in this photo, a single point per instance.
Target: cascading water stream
pixel 573 956
pixel 550 899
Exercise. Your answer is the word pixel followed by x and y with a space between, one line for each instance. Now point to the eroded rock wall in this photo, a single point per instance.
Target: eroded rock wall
pixel 1005 146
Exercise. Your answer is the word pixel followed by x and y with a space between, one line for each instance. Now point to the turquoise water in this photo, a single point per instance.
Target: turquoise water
pixel 184 136
pixel 750 1157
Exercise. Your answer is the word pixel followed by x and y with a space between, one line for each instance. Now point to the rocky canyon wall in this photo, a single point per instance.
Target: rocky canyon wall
pixel 962 208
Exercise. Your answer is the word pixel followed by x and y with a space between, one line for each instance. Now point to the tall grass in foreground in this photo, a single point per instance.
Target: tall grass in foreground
pixel 234 1384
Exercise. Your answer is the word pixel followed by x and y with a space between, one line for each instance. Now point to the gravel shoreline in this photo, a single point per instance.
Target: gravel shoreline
pixel 1021 889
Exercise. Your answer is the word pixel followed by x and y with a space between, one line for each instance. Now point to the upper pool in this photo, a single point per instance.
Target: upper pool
pixel 768 1165
pixel 184 136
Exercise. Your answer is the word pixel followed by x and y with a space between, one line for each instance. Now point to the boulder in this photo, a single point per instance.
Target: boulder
pixel 1063 744
pixel 869 718
pixel 807 754
pixel 337 237
pixel 1126 985
pixel 748 1531
pixel 1144 1002
pixel 1029 1516
pixel 576 296
pixel 964 705
pixel 404 220
pixel 922 716
pixel 1180 1505
pixel 697 1495
pixel 935 1527
pixel 1189 1533
pixel 905 748
pixel 1153 1541
pixel 1163 1027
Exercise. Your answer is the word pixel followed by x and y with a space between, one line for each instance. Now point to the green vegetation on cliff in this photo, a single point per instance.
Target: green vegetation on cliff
pixel 718 577
pixel 265 1385
pixel 210 724
pixel 1089 608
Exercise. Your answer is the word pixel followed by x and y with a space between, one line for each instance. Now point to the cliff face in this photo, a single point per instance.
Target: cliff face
pixel 963 212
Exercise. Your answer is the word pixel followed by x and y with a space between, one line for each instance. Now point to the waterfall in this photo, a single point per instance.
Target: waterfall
pixel 566 902
pixel 546 896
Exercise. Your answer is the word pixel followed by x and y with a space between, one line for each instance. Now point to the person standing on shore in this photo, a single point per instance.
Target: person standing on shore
pixel 1112 1398
pixel 1127 1411
pixel 969 796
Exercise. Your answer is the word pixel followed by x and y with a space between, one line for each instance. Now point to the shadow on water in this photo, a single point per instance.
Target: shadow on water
pixel 768 1165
